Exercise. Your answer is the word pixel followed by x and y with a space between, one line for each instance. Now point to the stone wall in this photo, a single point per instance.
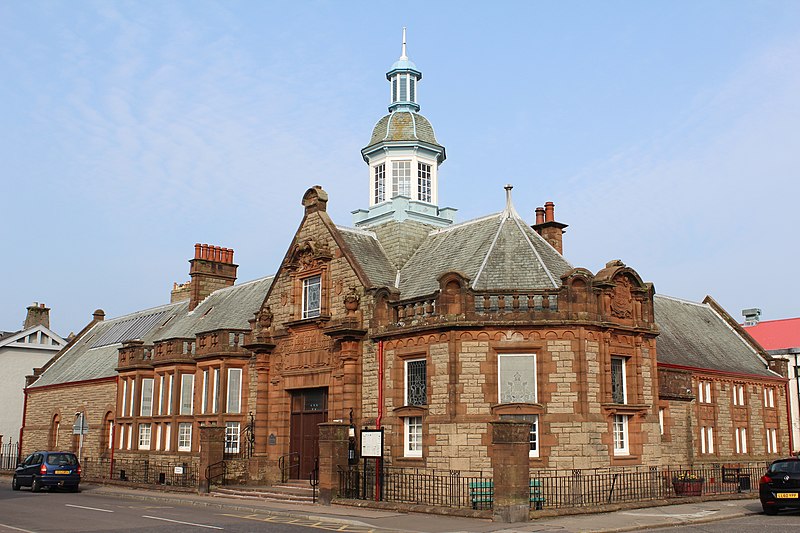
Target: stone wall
pixel 96 399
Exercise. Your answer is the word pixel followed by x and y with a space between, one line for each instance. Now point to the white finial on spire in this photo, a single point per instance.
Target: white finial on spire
pixel 403 54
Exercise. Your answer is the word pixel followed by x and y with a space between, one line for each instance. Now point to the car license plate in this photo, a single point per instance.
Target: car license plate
pixel 67 472
pixel 787 495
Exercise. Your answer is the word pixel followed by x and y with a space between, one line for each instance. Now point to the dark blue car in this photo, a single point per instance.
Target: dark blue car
pixel 48 469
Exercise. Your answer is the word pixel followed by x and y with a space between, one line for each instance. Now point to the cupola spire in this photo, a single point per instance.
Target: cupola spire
pixel 403 52
pixel 403 78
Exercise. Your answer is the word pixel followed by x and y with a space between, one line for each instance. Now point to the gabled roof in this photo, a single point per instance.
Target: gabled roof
pixel 496 252
pixel 369 253
pixel 697 335
pixel 46 339
pixel 776 334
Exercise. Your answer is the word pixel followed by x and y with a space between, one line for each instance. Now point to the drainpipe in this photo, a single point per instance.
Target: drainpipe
pixel 113 435
pixel 378 420
pixel 22 428
pixel 380 384
pixel 797 384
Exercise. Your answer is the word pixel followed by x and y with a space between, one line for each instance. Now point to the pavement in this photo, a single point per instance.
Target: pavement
pixel 365 519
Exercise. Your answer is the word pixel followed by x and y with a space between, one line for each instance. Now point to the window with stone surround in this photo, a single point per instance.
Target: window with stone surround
pixel 516 375
pixel 737 391
pixel 416 389
pixel 234 390
pixel 185 437
pixel 312 297
pixel 380 183
pixel 619 392
pixel 204 393
pixel 146 406
pixel 707 439
pixel 187 394
pixel 144 436
pixel 704 391
pixel 740 436
pixel 412 436
pixel 620 434
pixel 167 437
pixel 769 397
pixel 772 440
pixel 231 437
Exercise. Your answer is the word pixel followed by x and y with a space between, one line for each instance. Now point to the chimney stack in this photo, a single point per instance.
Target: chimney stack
pixel 751 316
pixel 211 269
pixel 37 315
pixel 547 227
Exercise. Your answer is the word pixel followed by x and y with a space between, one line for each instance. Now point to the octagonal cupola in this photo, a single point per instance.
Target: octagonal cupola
pixel 403 157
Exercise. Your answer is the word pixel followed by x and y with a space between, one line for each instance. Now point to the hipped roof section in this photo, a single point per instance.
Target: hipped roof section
pixel 497 252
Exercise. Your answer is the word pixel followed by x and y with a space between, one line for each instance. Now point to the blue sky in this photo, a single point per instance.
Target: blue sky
pixel 665 132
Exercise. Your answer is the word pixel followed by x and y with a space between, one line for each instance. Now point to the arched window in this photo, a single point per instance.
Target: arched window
pixel 52 440
pixel 107 433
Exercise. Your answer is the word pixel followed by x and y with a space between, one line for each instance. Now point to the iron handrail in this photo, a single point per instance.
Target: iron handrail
pixel 285 469
pixel 211 478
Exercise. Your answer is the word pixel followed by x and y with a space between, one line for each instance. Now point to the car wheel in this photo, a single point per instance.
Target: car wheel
pixel 36 485
pixel 770 510
pixel 75 488
pixel 14 483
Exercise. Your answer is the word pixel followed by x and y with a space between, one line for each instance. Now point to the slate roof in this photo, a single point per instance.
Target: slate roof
pixel 695 335
pixel 94 355
pixel 229 308
pixel 496 252
pixel 403 126
pixel 370 255
pixel 776 334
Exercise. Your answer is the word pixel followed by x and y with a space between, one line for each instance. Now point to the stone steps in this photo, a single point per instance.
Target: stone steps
pixel 291 492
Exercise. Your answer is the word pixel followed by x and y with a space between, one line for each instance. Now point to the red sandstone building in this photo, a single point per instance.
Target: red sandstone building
pixel 428 329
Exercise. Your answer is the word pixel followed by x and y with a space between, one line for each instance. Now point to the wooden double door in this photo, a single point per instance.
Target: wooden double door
pixel 309 409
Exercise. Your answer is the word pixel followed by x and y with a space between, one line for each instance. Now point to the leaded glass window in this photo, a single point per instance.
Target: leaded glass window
pixel 312 296
pixel 416 387
pixel 380 183
pixel 401 178
pixel 517 378
pixel 618 380
pixel 424 182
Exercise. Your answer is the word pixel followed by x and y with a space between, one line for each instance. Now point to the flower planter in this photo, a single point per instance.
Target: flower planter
pixel 688 488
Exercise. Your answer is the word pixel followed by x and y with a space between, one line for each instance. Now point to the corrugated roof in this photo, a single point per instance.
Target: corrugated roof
pixel 498 252
pixel 94 355
pixel 89 359
pixel 695 335
pixel 776 334
pixel 370 255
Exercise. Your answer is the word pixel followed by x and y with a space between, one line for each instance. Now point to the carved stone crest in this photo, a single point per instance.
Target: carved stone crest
pixel 307 255
pixel 621 299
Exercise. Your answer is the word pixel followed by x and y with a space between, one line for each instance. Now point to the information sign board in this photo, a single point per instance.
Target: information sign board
pixel 371 443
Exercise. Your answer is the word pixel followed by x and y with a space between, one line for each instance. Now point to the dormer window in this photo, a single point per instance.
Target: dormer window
pixel 312 296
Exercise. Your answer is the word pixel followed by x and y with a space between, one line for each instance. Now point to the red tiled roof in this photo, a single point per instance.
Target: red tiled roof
pixel 777 334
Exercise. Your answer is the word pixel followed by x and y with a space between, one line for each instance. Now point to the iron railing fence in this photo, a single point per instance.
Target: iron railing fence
pixel 595 487
pixel 144 471
pixel 9 456
pixel 422 486
pixel 550 489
